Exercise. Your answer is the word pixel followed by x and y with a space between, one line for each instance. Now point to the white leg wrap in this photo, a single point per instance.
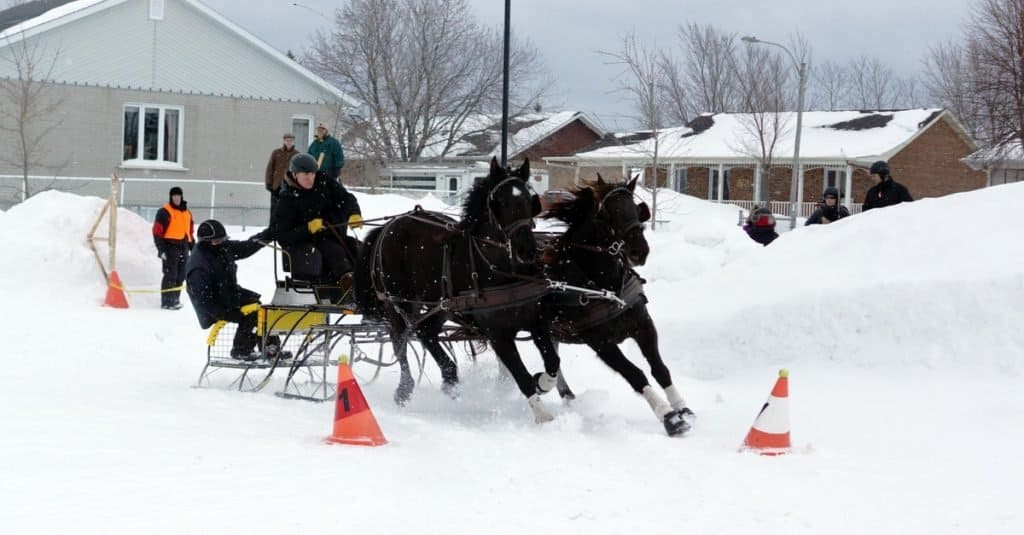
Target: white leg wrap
pixel 658 405
pixel 540 414
pixel 675 398
pixel 546 382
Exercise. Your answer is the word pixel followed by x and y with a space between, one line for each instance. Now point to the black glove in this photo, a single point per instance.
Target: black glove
pixel 261 236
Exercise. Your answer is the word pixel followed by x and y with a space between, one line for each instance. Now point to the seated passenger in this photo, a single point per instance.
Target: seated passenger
pixel 213 287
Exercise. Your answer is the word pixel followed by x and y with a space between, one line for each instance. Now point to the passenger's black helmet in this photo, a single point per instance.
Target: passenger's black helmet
pixel 210 230
pixel 303 163
pixel 880 168
pixel 831 191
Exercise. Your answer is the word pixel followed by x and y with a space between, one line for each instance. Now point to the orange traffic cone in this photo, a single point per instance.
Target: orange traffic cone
pixel 115 292
pixel 770 433
pixel 353 420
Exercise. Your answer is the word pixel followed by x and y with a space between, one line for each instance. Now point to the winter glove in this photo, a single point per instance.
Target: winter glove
pixel 355 221
pixel 249 309
pixel 315 225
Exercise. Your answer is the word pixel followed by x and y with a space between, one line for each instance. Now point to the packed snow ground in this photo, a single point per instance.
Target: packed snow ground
pixel 901 329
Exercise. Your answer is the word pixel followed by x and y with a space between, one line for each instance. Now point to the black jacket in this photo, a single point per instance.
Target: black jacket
pixel 832 213
pixel 213 281
pixel 886 193
pixel 327 200
pixel 762 235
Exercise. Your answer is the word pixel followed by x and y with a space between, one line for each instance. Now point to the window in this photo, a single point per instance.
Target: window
pixel 156 9
pixel 152 135
pixel 302 128
pixel 835 179
pixel 453 184
pixel 713 194
pixel 681 177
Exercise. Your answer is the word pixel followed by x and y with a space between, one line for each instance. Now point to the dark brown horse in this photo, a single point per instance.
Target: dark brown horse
pixel 604 240
pixel 422 269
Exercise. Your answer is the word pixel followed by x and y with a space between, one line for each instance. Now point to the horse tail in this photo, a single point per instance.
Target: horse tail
pixel 366 295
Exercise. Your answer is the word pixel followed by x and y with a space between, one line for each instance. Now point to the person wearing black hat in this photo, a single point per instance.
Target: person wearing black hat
pixel 213 285
pixel 829 210
pixel 312 216
pixel 761 226
pixel 173 236
pixel 886 191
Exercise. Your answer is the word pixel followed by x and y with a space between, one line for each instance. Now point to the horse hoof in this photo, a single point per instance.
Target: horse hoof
pixel 540 413
pixel 544 383
pixel 676 424
pixel 452 390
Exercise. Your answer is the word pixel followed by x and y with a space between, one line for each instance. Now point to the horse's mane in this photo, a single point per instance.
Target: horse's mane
pixel 586 197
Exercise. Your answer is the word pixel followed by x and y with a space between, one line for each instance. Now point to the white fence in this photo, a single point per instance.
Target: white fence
pixel 783 208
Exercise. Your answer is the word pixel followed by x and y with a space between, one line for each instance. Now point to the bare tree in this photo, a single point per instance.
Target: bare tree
pixel 708 71
pixel 765 99
pixel 28 106
pixel 872 85
pixel 831 86
pixel 644 81
pixel 995 34
pixel 421 69
pixel 908 93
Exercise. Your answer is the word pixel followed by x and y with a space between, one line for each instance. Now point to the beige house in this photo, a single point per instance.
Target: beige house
pixel 160 92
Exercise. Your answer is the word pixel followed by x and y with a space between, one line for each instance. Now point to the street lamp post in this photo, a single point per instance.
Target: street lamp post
pixel 801 69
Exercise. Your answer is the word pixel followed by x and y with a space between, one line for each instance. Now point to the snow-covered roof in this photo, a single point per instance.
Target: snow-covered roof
pixel 479 137
pixel 829 136
pixel 1008 151
pixel 67 12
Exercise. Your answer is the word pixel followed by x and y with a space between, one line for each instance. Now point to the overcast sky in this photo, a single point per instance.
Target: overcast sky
pixel 570 32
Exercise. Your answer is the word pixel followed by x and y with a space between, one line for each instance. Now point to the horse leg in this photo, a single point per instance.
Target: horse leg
pixel 449 370
pixel 400 343
pixel 564 391
pixel 611 355
pixel 505 348
pixel 647 338
pixel 548 379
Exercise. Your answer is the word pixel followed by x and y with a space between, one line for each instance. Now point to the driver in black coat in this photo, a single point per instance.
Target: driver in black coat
pixel 886 191
pixel 310 222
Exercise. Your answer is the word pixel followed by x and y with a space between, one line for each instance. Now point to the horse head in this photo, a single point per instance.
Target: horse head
pixel 615 206
pixel 501 207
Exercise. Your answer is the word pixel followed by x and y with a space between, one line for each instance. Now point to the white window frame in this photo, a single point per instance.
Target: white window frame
pixel 159 163
pixel 311 126
pixel 156 9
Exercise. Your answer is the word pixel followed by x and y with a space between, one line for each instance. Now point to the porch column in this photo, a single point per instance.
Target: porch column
pixel 721 181
pixel 625 172
pixel 757 183
pixel 849 187
pixel 711 193
pixel 672 177
pixel 576 174
pixel 800 188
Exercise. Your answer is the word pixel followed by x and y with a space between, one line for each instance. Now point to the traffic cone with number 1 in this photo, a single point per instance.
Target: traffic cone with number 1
pixel 353 420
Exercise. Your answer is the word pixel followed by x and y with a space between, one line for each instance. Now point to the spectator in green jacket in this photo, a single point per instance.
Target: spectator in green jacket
pixel 327 151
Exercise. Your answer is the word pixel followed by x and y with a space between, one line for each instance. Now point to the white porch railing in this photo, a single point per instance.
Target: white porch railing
pixel 782 208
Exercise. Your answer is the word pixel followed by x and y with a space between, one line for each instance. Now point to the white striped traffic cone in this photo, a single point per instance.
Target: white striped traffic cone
pixel 770 433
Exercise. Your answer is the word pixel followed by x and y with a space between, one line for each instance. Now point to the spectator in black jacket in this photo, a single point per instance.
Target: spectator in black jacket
pixel 213 285
pixel 829 210
pixel 312 217
pixel 761 226
pixel 886 191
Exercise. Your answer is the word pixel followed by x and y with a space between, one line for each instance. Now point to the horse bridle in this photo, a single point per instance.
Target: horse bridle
pixel 629 228
pixel 509 229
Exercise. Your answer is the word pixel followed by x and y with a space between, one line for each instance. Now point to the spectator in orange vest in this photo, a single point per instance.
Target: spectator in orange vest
pixel 173 236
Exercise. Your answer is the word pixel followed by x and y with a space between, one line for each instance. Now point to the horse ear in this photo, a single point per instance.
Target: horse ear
pixel 524 170
pixel 494 165
pixel 632 183
pixel 535 204
pixel 600 179
pixel 643 212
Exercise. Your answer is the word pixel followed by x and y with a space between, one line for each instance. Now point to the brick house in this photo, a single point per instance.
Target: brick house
pixel 923 147
pixel 536 136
